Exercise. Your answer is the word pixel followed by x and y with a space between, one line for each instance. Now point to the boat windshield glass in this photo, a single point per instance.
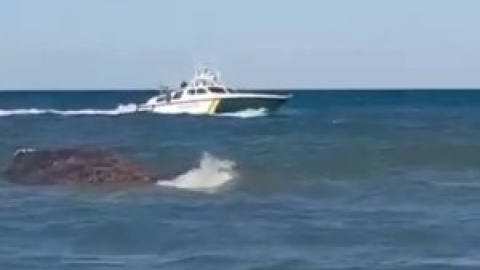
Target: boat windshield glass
pixel 177 95
pixel 201 91
pixel 218 90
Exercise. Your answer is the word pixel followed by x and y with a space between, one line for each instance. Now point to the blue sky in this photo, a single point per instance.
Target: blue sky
pixel 79 44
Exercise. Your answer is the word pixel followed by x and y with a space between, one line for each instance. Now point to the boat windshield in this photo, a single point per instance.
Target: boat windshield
pixel 218 90
pixel 201 91
pixel 177 95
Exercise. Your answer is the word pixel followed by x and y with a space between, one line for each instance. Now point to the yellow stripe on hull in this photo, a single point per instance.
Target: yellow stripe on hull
pixel 213 106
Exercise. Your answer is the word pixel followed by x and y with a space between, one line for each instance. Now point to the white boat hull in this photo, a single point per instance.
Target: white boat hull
pixel 218 105
pixel 191 107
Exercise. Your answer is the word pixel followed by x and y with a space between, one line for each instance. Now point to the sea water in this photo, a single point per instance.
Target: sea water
pixel 334 180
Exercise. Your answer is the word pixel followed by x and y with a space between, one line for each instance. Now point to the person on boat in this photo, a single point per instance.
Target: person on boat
pixel 168 96
pixel 183 84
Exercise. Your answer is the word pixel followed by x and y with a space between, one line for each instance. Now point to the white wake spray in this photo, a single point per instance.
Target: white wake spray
pixel 21 112
pixel 119 110
pixel 211 175
pixel 248 113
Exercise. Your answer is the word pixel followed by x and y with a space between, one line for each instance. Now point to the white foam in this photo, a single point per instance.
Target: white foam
pixel 211 175
pixel 119 110
pixel 248 113
pixel 21 112
pixel 24 150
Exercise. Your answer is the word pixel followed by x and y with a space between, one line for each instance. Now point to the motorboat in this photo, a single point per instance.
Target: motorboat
pixel 206 94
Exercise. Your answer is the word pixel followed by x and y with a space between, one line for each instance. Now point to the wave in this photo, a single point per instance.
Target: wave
pixel 211 175
pixel 119 110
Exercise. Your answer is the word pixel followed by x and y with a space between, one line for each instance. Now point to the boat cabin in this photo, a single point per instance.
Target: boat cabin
pixel 205 81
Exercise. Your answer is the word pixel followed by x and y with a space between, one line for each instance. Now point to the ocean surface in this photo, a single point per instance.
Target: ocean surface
pixel 334 180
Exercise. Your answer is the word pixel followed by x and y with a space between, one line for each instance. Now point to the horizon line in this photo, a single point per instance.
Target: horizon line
pixel 251 89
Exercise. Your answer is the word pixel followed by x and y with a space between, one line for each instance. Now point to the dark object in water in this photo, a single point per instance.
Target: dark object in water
pixel 75 166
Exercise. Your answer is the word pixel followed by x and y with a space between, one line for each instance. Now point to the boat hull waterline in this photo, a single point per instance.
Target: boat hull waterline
pixel 214 106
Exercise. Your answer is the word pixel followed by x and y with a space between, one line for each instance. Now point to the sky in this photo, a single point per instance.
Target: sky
pixel 321 44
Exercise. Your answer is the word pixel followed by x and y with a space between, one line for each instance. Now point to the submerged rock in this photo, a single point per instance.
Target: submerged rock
pixel 75 166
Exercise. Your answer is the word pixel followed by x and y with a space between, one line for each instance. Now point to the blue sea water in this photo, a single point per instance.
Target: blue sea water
pixel 334 180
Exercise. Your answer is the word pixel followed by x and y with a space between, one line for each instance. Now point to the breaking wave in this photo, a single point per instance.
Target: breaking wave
pixel 211 175
pixel 119 110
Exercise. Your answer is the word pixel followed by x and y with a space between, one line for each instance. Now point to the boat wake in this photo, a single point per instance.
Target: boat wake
pixel 249 113
pixel 119 110
pixel 211 175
